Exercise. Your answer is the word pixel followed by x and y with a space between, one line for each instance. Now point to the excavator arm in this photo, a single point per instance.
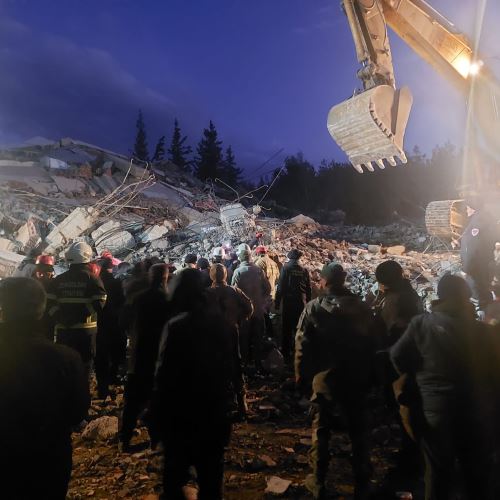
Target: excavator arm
pixel 370 126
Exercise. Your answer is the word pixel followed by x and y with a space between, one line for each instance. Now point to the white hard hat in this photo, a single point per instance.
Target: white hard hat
pixel 79 253
pixel 219 252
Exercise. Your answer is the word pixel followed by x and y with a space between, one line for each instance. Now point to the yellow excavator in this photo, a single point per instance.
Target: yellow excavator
pixel 369 127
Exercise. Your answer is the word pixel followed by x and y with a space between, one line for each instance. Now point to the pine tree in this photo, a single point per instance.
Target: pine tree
pixel 209 161
pixel 159 150
pixel 179 151
pixel 141 142
pixel 229 172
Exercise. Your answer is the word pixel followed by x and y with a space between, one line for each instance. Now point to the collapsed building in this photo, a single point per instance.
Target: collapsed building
pixel 54 193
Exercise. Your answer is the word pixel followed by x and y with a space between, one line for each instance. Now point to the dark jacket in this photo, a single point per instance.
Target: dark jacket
pixel 395 308
pixel 234 305
pixel 44 392
pixel 151 311
pixel 478 243
pixel 294 285
pixel 207 281
pixel 334 340
pixel 110 316
pixel 452 357
pixel 197 371
pixel 77 298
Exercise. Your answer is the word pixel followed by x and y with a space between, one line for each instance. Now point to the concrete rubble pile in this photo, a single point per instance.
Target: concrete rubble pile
pixel 55 193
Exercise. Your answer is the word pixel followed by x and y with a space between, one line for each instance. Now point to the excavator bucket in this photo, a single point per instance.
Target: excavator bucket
pixel 370 126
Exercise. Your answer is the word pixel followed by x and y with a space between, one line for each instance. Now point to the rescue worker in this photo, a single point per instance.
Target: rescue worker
pixel 150 313
pixel 333 359
pixel 44 393
pixel 268 266
pixel 451 356
pixel 218 255
pixel 272 273
pixel 251 280
pixel 78 297
pixel 194 394
pixel 111 341
pixel 477 247
pixel 293 293
pixel 236 307
pixel 204 267
pixel 44 274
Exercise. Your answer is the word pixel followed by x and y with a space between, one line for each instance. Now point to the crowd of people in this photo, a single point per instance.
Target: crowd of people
pixel 183 340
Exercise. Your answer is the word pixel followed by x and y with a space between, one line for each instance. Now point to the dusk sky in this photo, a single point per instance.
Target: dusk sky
pixel 265 71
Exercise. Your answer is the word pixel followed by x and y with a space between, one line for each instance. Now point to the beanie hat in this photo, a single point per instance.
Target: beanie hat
pixel 333 272
pixel 294 254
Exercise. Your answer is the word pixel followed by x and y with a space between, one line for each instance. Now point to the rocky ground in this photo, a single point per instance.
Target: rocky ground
pixel 267 457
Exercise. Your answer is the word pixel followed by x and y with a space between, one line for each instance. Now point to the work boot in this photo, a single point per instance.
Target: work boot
pixel 317 489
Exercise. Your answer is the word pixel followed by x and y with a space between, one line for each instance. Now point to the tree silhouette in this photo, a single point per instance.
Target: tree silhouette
pixel 178 151
pixel 208 162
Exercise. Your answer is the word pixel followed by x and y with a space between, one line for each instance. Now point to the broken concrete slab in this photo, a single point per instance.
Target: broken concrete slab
pixel 81 219
pixel 102 428
pixel 396 250
pixel 27 235
pixel 9 262
pixel 7 245
pixel 116 242
pixel 69 185
pixel 153 233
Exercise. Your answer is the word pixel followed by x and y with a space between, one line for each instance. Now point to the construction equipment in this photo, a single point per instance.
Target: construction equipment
pixel 369 127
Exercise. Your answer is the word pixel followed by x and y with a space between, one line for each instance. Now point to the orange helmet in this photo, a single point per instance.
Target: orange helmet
pixel 48 260
pixel 95 268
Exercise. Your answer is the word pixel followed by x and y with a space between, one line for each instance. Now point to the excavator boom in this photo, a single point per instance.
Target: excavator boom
pixel 369 127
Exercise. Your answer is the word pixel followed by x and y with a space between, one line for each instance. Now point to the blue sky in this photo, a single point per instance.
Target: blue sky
pixel 265 71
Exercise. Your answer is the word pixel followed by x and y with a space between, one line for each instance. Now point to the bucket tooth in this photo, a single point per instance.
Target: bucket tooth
pixel 370 127
pixel 358 168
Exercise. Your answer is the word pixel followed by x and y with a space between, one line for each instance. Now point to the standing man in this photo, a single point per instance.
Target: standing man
pixel 452 358
pixel 150 312
pixel 269 267
pixel 78 297
pixel 194 395
pixel 333 359
pixel 294 292
pixel 477 248
pixel 111 342
pixel 251 280
pixel 44 393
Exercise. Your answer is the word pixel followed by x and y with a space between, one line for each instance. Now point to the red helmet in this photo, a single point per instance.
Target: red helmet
pixel 261 249
pixel 48 260
pixel 106 254
pixel 258 235
pixel 95 268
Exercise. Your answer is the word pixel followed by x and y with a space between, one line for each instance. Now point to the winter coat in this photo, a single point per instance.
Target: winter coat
pixel 151 311
pixel 251 280
pixel 294 286
pixel 271 271
pixel 232 302
pixel 197 373
pixel 333 345
pixel 395 309
pixel 478 243
pixel 454 360
pixel 114 302
pixel 78 297
pixel 44 392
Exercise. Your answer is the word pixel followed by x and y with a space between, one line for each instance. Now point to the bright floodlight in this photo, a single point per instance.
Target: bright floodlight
pixel 475 68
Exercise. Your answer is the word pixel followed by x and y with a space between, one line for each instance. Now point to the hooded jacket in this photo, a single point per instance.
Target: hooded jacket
pixel 271 271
